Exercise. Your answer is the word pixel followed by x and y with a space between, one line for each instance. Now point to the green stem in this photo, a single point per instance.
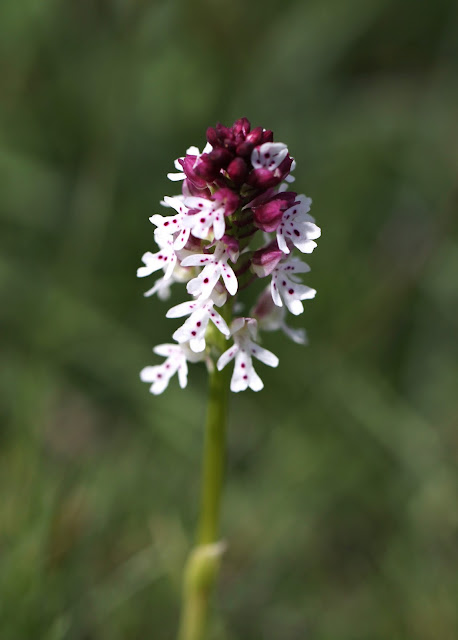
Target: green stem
pixel 203 562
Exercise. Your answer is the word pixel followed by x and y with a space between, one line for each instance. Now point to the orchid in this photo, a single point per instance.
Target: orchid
pixel 234 222
pixel 233 191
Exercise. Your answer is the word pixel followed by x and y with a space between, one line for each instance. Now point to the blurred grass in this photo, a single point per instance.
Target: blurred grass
pixel 340 509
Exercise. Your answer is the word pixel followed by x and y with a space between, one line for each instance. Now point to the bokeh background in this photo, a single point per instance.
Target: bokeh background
pixel 340 507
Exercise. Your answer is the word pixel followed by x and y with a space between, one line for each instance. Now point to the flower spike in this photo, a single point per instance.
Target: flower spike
pixel 234 221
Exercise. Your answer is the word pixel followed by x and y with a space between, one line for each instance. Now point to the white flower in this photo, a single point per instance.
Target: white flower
pixel 287 288
pixel 272 318
pixel 208 214
pixel 193 330
pixel 173 225
pixel 269 155
pixel 164 259
pixel 176 356
pixel 243 331
pixel 215 265
pixel 298 227
pixel 162 285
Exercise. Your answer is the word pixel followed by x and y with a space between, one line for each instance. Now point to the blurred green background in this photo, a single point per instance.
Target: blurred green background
pixel 340 508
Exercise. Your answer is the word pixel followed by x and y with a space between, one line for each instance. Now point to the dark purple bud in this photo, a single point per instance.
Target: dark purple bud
pixel 285 166
pixel 237 170
pixel 255 136
pixel 205 168
pixel 212 136
pixel 240 128
pixel 222 131
pixel 268 216
pixel 244 149
pixel 188 164
pixel 263 179
pixel 267 136
pixel 262 198
pixel 220 157
pixel 266 259
pixel 189 189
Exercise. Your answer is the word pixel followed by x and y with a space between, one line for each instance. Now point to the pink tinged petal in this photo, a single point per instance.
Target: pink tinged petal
pixel 226 357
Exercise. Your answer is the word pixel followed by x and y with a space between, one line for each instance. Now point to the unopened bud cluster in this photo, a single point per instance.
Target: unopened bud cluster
pixel 233 192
